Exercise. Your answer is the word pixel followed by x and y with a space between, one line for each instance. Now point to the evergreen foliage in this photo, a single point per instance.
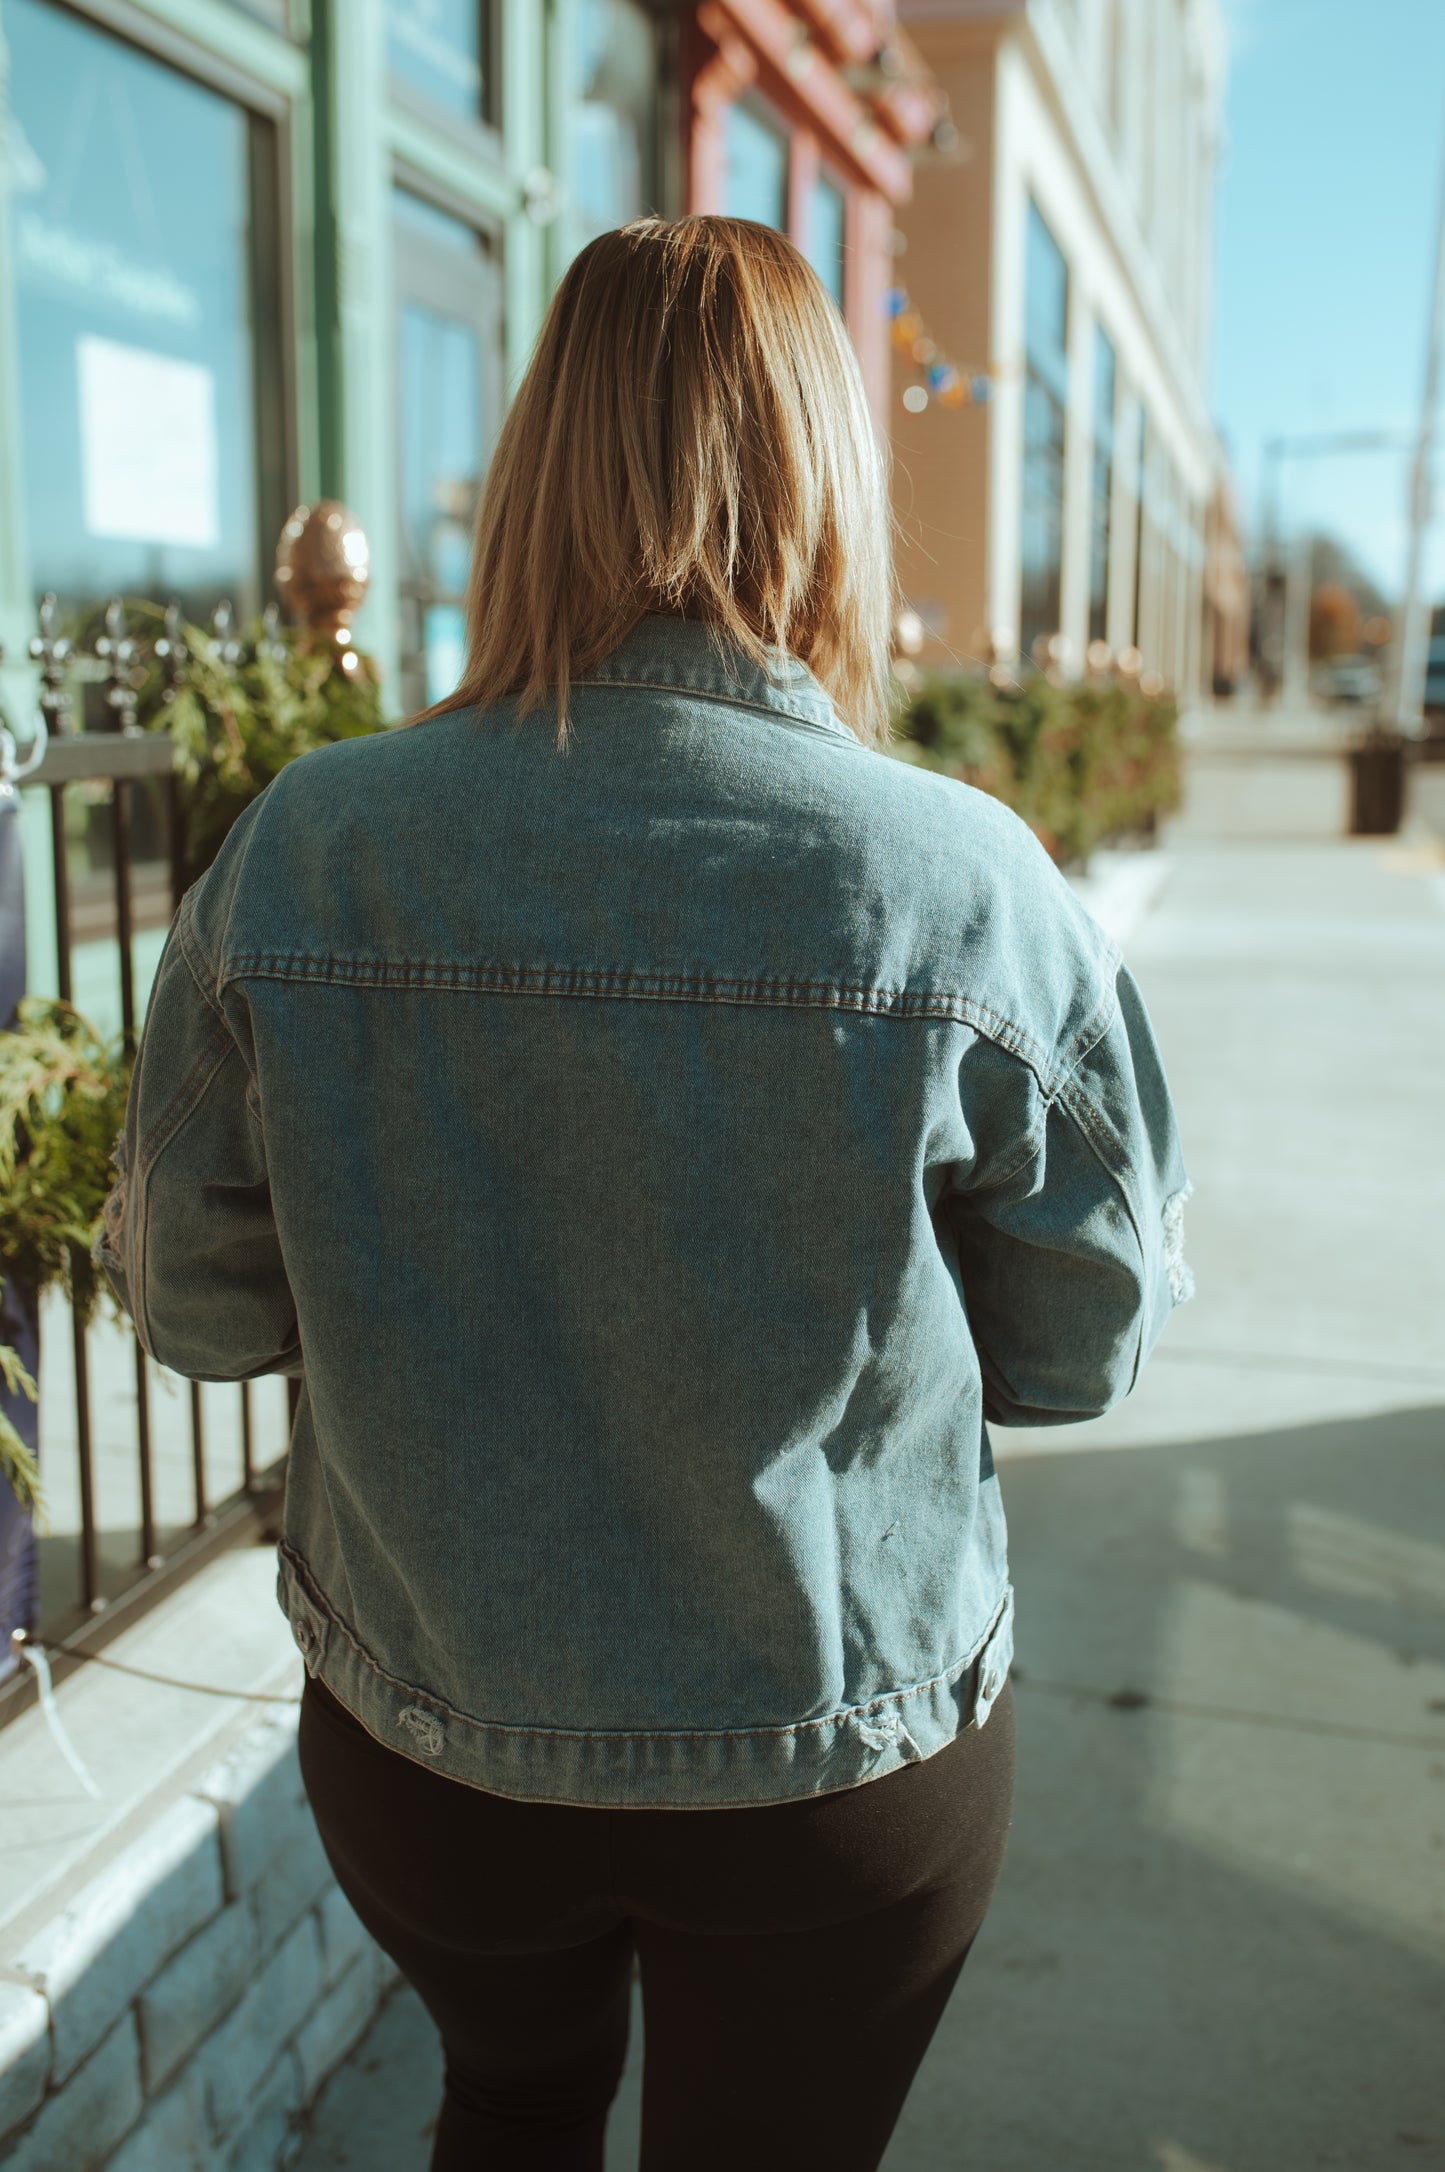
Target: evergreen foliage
pixel 1083 763
pixel 62 1105
pixel 239 710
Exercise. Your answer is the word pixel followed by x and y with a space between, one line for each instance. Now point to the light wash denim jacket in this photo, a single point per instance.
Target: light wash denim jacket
pixel 657 1160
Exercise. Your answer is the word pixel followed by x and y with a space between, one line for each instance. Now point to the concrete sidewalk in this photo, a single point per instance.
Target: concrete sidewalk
pixel 1219 1941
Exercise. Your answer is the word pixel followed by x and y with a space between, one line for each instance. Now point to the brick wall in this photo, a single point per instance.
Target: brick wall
pixel 183 2011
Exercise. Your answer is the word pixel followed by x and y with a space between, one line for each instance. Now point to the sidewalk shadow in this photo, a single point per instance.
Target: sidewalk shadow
pixel 1217 1943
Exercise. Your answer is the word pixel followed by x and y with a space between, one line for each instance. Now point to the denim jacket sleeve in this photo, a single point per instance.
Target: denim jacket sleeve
pixel 189 1240
pixel 1072 1259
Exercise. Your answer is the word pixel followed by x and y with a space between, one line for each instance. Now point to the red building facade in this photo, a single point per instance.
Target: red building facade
pixel 806 114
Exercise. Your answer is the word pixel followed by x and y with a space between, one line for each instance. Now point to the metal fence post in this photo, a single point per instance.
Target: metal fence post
pixel 322 571
pixel 19 1310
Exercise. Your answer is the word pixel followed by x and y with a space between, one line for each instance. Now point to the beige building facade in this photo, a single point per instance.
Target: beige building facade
pixel 1062 252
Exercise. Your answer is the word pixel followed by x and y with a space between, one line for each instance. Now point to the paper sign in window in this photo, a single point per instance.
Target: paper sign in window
pixel 149 465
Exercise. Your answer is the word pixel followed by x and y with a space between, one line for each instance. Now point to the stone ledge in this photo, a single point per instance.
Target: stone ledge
pixel 237 2057
pixel 259 1799
pixel 147 1743
pixel 78 2127
pixel 339 2021
pixel 194 1991
pixel 24 2052
pixel 189 1973
pixel 120 1930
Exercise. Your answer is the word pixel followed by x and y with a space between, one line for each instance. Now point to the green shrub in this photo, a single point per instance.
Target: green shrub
pixel 239 710
pixel 62 1103
pixel 1083 763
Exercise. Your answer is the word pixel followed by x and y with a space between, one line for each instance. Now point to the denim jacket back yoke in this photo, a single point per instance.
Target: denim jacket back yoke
pixel 657 1159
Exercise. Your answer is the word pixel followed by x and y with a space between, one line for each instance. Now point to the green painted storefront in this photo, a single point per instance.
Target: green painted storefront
pixel 258 251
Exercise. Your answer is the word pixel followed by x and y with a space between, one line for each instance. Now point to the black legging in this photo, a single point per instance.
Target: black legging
pixel 795 1957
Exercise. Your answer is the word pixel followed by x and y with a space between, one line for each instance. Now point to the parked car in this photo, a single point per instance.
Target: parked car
pixel 1434 703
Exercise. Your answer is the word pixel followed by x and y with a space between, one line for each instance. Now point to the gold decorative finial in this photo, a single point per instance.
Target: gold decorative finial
pixel 323 566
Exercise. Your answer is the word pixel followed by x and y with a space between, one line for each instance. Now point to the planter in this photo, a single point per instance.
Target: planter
pixel 1377 787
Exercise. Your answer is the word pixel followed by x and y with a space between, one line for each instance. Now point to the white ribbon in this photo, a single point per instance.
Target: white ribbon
pixel 35 1655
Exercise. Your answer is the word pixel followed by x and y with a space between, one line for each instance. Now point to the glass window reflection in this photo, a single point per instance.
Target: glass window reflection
pixel 1046 376
pixel 448 360
pixel 613 132
pixel 1101 509
pixel 437 47
pixel 1143 448
pixel 755 178
pixel 827 216
pixel 137 349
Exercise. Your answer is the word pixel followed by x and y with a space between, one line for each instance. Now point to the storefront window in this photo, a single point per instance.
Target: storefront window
pixel 449 372
pixel 1141 526
pixel 139 361
pixel 613 133
pixel 827 214
pixel 438 47
pixel 1116 65
pixel 1105 375
pixel 1045 397
pixel 755 181
pixel 1166 610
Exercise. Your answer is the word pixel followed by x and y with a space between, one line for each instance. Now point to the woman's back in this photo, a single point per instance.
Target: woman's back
pixel 631 1117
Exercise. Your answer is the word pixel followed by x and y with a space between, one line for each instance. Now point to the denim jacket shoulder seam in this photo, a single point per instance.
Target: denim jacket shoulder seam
pixel 1034 1139
pixel 138 1204
pixel 188 1093
pixel 258 813
pixel 192 950
pixel 1069 1089
pixel 1072 1097
pixel 1092 1031
pixel 1115 1164
pixel 182 1106
pixel 211 979
pixel 1055 1087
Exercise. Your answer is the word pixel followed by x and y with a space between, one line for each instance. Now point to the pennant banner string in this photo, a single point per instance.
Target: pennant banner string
pixel 944 380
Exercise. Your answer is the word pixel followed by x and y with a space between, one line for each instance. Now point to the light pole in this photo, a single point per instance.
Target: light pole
pixel 1407 690
pixel 1298 555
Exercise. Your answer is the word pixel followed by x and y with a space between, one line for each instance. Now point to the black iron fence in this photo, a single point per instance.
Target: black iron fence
pixel 78 1583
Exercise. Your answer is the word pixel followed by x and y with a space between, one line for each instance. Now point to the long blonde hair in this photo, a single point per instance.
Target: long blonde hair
pixel 691 437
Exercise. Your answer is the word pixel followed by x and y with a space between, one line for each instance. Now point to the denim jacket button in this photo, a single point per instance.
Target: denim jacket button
pixel 308 1642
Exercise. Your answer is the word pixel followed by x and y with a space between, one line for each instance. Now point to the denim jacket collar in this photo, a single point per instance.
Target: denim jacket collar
pixel 678 655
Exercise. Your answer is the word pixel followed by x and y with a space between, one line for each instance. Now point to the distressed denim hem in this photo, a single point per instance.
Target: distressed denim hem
pixel 1180 1273
pixel 714 1769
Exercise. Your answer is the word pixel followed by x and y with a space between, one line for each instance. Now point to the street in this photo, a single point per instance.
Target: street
pixel 1217 1945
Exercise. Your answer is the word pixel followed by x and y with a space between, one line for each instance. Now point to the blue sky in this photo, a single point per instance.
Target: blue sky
pixel 1329 192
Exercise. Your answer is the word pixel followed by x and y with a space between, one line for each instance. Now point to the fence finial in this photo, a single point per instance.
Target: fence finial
pixel 323 566
pixel 119 652
pixel 51 651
